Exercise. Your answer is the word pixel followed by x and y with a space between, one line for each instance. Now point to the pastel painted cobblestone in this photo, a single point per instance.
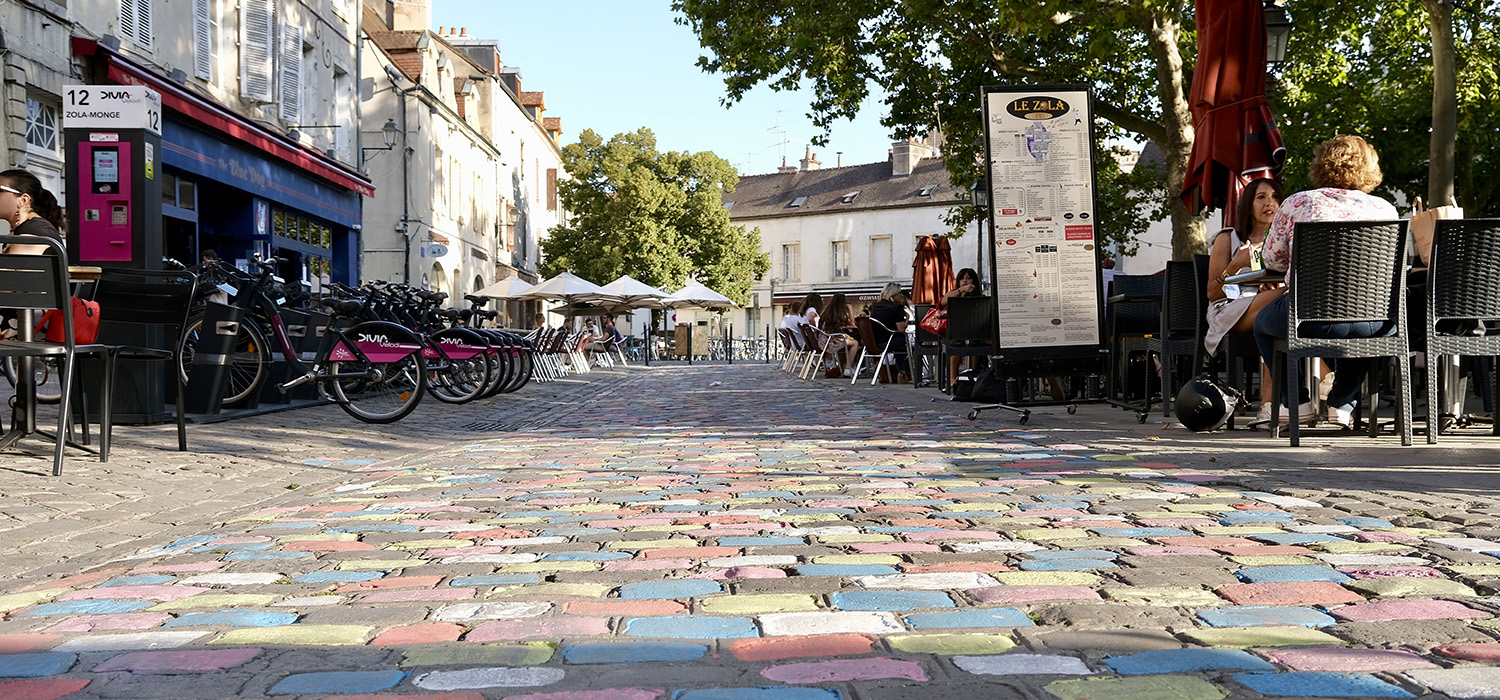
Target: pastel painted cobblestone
pixel 711 544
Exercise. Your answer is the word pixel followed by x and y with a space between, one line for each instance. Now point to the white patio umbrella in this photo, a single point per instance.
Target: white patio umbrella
pixel 697 294
pixel 568 288
pixel 508 288
pixel 634 293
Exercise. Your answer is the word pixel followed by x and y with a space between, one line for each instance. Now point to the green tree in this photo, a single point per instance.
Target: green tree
pixel 658 217
pixel 932 57
pixel 1366 67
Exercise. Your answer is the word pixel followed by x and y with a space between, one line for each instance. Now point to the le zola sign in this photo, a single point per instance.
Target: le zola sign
pixel 111 107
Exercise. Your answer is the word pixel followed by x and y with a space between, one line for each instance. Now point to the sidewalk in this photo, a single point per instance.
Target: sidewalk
pixel 731 532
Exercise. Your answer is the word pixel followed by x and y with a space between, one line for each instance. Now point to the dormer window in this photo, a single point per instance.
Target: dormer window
pixel 729 206
pixel 798 201
pixel 848 197
pixel 927 191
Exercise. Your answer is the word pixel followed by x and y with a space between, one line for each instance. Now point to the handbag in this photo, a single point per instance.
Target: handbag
pixel 85 323
pixel 1424 221
pixel 935 322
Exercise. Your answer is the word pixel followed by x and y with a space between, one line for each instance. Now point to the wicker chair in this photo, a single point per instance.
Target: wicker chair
pixel 1181 327
pixel 1463 292
pixel 1346 271
pixel 1136 313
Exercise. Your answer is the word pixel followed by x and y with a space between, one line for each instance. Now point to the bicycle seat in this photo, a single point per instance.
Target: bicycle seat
pixel 449 314
pixel 489 314
pixel 341 307
pixel 474 299
pixel 431 296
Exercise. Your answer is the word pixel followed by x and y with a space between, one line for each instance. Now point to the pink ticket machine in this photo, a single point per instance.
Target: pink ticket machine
pixel 112 134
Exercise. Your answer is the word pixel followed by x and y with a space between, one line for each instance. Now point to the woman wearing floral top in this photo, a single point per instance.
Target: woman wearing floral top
pixel 1344 170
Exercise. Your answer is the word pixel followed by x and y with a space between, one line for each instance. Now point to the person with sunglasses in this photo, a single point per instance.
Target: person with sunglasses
pixel 31 211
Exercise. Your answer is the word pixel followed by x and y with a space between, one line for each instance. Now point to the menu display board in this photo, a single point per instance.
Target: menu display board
pixel 1041 185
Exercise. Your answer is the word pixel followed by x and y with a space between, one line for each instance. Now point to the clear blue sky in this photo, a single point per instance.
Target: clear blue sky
pixel 618 65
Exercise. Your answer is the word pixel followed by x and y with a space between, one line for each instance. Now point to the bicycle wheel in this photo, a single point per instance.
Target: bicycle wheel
pixel 460 380
pixel 249 365
pixel 388 386
pixel 47 372
pixel 524 362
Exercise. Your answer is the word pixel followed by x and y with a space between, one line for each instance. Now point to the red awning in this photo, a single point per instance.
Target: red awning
pixel 127 71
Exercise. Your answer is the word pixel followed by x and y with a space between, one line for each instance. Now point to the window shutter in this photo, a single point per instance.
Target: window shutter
pixel 203 62
pixel 291 73
pixel 255 49
pixel 143 30
pixel 127 20
pixel 551 189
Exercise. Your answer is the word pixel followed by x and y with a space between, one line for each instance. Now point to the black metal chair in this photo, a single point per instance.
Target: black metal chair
pixel 971 327
pixel 927 345
pixel 40 282
pixel 1463 302
pixel 1134 312
pixel 159 298
pixel 1346 271
pixel 1181 329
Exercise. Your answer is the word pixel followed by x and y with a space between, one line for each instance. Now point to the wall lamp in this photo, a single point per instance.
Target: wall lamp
pixel 388 133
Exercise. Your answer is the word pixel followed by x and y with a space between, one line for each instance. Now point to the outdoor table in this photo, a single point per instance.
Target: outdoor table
pixel 1255 277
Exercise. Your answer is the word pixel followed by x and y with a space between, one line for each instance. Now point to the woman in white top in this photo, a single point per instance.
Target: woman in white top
pixel 810 305
pixel 1233 309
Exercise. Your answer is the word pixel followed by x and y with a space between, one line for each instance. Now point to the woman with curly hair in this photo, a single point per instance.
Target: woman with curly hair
pixel 1344 170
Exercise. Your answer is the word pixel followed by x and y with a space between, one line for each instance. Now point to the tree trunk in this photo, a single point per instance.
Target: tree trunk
pixel 1187 229
pixel 1444 104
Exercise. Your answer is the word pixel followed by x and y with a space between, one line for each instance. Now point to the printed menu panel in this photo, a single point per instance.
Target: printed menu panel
pixel 1042 190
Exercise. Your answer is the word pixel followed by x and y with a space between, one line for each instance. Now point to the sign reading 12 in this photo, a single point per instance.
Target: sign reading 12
pixel 103 99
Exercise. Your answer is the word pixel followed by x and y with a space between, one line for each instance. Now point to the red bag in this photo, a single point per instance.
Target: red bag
pixel 935 322
pixel 85 323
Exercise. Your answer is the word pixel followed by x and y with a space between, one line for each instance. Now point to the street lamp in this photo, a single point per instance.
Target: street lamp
pixel 388 133
pixel 979 195
pixel 1278 31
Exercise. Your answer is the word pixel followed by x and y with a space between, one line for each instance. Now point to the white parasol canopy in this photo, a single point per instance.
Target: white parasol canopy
pixel 567 287
pixel 634 293
pixel 508 288
pixel 696 294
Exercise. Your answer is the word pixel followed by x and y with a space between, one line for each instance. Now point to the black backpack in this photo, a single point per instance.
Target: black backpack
pixel 979 385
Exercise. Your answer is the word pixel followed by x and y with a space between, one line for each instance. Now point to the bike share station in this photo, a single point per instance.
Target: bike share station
pixel 112 138
pixel 113 141
pixel 1044 247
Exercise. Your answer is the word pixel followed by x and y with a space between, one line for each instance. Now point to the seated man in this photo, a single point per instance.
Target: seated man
pixel 606 338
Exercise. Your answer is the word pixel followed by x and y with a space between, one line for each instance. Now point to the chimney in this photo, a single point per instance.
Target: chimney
pixel 906 154
pixel 809 161
pixel 463 31
pixel 411 15
pixel 786 168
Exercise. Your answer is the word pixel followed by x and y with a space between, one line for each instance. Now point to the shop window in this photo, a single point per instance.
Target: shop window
pixel 840 259
pixel 187 194
pixel 168 190
pixel 41 125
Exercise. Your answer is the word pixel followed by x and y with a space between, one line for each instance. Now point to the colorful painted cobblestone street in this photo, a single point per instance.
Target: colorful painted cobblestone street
pixel 771 539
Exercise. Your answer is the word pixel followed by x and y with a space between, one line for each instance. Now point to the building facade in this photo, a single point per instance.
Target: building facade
pixel 35 64
pixel 849 230
pixel 470 179
pixel 259 132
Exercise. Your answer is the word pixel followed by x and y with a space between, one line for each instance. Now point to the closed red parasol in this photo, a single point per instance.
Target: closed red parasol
pixel 1236 139
pixel 932 270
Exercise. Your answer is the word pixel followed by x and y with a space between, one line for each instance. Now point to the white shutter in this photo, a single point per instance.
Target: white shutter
pixel 203 37
pixel 143 29
pixel 127 20
pixel 255 49
pixel 291 73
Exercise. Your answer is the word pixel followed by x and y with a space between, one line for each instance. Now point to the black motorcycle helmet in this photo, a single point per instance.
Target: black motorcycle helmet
pixel 1203 405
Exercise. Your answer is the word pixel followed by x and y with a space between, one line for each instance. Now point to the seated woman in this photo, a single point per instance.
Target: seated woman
pixel 967 285
pixel 812 304
pixel 31 210
pixel 1344 170
pixel 889 313
pixel 1232 250
pixel 839 318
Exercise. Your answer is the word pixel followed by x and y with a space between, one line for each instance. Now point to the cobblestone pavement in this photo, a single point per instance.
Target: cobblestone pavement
pixel 732 533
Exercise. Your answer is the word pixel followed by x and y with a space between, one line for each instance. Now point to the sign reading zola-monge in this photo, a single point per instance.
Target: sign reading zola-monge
pixel 111 107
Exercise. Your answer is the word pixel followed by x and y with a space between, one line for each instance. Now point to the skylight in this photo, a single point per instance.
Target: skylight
pixel 729 205
pixel 927 191
pixel 798 201
pixel 849 196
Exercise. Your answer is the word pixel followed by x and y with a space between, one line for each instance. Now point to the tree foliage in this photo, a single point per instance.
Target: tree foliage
pixel 1365 67
pixel 933 56
pixel 658 217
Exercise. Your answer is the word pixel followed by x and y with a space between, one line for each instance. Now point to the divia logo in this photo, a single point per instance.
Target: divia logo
pixel 1038 108
pixel 373 338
